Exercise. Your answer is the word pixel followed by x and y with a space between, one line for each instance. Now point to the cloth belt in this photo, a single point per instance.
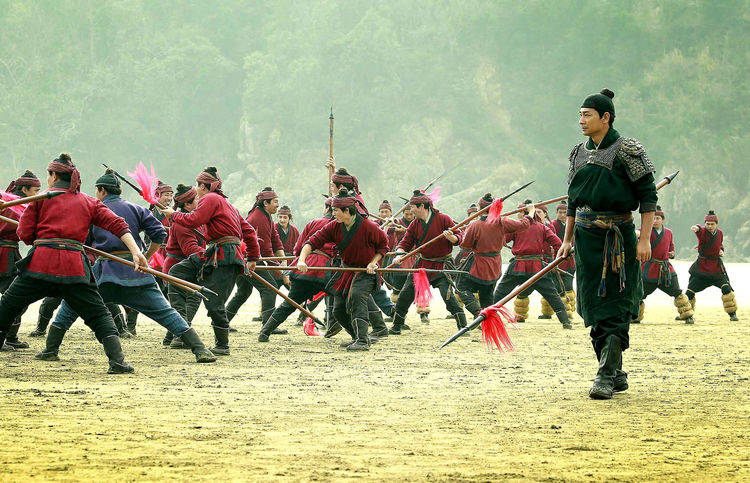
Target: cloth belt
pixel 118 253
pixel 224 241
pixel 529 257
pixel 174 255
pixel 614 243
pixel 8 244
pixel 488 254
pixel 663 271
pixel 59 243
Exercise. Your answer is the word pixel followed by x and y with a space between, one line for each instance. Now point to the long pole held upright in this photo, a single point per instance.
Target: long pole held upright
pixel 331 165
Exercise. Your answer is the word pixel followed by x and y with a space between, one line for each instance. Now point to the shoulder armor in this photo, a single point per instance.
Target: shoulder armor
pixel 572 160
pixel 634 157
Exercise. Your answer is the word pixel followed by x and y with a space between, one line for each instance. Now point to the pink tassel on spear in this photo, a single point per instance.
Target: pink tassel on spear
pixel 309 328
pixel 422 292
pixel 147 182
pixel 434 195
pixel 494 327
pixel 495 209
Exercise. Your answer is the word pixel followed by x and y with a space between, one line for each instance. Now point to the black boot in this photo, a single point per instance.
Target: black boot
pixel 621 379
pixel 221 338
pixel 349 329
pixel 398 324
pixel 266 315
pixel 41 326
pixel 113 349
pixel 424 318
pixel 460 320
pixel 562 316
pixel 300 320
pixel 54 339
pixel 268 328
pixel 191 339
pixel 609 360
pixel 333 329
pixel 362 342
pixel 168 339
pixel 132 320
pixel 11 337
pixel 379 329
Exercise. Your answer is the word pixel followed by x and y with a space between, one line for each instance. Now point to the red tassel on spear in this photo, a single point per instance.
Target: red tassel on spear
pixel 147 182
pixel 422 292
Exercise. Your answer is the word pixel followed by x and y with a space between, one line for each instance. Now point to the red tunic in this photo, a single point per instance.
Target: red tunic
pixel 435 255
pixel 532 242
pixel 268 236
pixel 68 216
pixel 181 243
pixel 288 238
pixel 9 253
pixel 661 248
pixel 221 220
pixel 569 264
pixel 709 246
pixel 318 258
pixel 485 240
pixel 357 246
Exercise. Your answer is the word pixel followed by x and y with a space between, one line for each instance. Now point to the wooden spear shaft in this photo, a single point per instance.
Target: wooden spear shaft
pixel 356 269
pixel 20 201
pixel 283 295
pixel 188 286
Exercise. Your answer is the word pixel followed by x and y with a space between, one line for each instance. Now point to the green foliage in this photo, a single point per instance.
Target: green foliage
pixel 417 87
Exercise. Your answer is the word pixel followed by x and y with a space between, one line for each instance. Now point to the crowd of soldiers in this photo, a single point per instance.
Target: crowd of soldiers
pixel 195 234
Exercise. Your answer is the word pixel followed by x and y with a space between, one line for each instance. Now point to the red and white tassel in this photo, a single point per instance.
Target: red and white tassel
pixel 422 292
pixel 434 195
pixel 495 209
pixel 18 209
pixel 309 328
pixel 495 328
pixel 147 182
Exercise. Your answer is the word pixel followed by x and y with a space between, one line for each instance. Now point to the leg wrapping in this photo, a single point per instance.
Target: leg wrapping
pixel 684 307
pixel 546 308
pixel 521 307
pixel 730 303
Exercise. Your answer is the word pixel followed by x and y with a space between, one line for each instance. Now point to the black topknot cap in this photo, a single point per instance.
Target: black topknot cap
pixel 28 174
pixel 417 193
pixel 608 93
pixel 487 197
pixel 342 171
pixel 711 212
pixel 267 188
pixel 64 158
pixel 527 202
pixel 109 171
pixel 211 170
pixel 385 201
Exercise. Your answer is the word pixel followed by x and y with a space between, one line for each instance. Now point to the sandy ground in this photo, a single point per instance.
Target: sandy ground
pixel 300 408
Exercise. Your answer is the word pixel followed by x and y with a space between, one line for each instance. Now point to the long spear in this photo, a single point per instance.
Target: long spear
pixel 332 163
pixel 359 269
pixel 284 296
pixel 20 201
pixel 465 222
pixel 557 261
pixel 183 284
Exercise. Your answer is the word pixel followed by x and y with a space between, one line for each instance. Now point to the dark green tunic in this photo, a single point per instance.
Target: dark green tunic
pixel 623 188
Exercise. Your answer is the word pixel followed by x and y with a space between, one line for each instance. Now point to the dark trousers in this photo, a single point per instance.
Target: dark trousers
pixel 83 298
pixel 567 281
pixel 12 332
pixel 545 286
pixel 468 288
pixel 673 289
pixel 406 296
pixel 358 302
pixel 47 310
pixel 245 285
pixel 604 328
pixel 220 280
pixel 699 283
pixel 383 301
pixel 300 291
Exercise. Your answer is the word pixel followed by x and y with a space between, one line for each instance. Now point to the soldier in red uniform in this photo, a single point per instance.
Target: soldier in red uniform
pixel 659 273
pixel 564 277
pixel 708 270
pixel 361 243
pixel 26 185
pixel 428 224
pixel 304 286
pixel 342 179
pixel 529 248
pixel 288 233
pixel 484 240
pixel 221 262
pixel 57 266
pixel 266 204
pixel 182 242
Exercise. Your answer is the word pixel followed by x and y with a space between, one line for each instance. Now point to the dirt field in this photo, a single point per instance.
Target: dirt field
pixel 300 408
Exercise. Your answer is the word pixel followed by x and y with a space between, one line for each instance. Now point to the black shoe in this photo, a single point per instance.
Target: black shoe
pixel 38 332
pixel 17 344
pixel 621 381
pixel 52 344
pixel 257 319
pixel 120 368
pixel 232 329
pixel 678 318
pixel 279 331
pixel 362 342
pixel 192 340
pixel 691 321
pixel 333 330
pixel 544 317
pixel 379 333
pixel 220 351
pixel 126 335
pixel 519 320
pixel 460 320
pixel 346 343
pixel 405 327
pixel 609 360
pixel 178 343
pixel 7 348
pixel 424 318
pixel 358 346
pixel 113 349
pixel 733 318
pixel 47 356
pixel 567 325
pixel 263 337
pixel 395 330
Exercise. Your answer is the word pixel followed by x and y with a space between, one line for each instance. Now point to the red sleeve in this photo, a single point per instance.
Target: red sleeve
pixel 294 234
pixel 511 226
pixel 381 241
pixel 509 237
pixel 251 240
pixel 26 230
pixel 671 242
pixel 449 224
pixel 276 243
pixel 551 238
pixel 106 219
pixel 470 236
pixel 200 215
pixel 188 242
pixel 407 242
pixel 300 241
pixel 323 236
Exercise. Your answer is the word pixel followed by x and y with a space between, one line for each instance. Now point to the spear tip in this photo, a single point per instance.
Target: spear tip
pixel 672 176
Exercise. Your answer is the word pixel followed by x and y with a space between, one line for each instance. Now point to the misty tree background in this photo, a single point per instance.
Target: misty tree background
pixel 416 86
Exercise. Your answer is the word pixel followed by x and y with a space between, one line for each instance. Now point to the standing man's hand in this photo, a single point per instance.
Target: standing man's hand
pixel 643 250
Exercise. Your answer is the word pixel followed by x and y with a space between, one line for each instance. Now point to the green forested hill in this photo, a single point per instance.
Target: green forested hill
pixel 416 87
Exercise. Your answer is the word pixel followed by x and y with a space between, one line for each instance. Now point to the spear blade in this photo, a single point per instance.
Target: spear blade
pixel 517 190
